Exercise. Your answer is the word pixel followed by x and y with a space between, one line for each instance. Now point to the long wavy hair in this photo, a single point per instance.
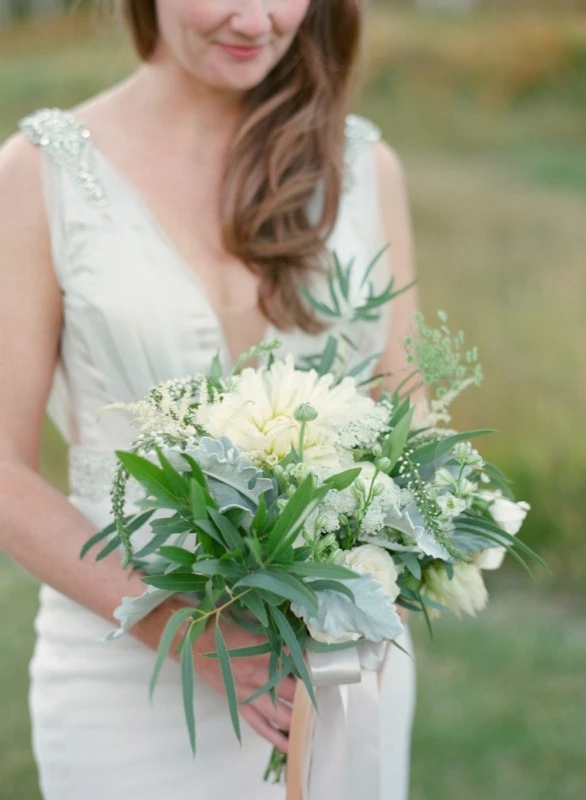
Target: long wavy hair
pixel 283 181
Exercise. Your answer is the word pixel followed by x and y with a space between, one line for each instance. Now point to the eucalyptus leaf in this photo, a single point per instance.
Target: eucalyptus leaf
pixel 228 678
pixel 187 683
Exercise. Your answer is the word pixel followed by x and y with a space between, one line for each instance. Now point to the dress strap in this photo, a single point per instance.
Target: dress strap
pixel 68 144
pixel 361 134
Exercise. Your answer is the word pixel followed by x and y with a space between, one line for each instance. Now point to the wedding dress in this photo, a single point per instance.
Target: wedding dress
pixel 135 314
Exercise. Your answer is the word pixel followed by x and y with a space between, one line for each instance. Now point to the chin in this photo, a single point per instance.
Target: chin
pixel 238 78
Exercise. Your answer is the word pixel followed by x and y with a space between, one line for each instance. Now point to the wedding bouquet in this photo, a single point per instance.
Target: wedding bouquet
pixel 284 497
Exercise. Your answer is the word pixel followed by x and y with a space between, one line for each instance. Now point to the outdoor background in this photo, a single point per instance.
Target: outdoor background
pixel 485 103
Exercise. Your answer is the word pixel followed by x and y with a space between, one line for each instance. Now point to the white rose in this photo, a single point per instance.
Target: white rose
pixel 507 515
pixel 377 561
pixel 465 592
pixel 367 473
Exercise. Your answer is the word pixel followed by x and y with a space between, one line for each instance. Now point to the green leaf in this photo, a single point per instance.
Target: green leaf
pixel 230 533
pixel 198 498
pixel 322 585
pixel 281 584
pixel 343 277
pixel 208 528
pixel 355 371
pixel 187 682
pixel 290 639
pixel 245 652
pixel 178 555
pixel 259 519
pixel 412 563
pixel 152 478
pixel 178 483
pixel 132 523
pixel 176 582
pixel 342 480
pixel 151 546
pixel 214 566
pixel 171 629
pixel 253 627
pixel 273 681
pixel 397 440
pixel 328 356
pixel 514 541
pixel 254 602
pixel 228 678
pixel 169 526
pixel 315 569
pixel 254 549
pixel 109 548
pixel 216 371
pixel 292 512
pixel 434 450
pixel 373 264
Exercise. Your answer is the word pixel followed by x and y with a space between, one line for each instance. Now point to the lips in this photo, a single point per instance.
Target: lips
pixel 243 52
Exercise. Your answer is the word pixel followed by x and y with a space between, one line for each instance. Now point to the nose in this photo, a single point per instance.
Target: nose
pixel 252 19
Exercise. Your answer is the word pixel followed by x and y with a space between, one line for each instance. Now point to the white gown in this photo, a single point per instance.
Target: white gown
pixel 135 314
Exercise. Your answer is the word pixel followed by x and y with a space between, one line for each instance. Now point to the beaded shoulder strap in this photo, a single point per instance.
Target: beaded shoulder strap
pixel 68 143
pixel 360 133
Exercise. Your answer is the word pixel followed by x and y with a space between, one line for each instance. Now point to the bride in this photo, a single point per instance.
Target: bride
pixel 173 216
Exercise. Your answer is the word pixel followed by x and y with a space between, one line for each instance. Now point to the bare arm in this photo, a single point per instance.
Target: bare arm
pixel 39 528
pixel 395 214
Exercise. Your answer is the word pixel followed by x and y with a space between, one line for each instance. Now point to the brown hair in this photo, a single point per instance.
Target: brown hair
pixel 290 142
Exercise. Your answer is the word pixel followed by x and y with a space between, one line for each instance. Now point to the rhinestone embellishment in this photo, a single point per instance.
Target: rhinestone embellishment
pixel 359 132
pixel 67 142
pixel 91 475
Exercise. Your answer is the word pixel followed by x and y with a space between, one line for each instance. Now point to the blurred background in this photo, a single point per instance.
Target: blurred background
pixel 485 102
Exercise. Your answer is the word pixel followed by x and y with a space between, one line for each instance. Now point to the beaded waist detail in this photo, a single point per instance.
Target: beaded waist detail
pixel 91 474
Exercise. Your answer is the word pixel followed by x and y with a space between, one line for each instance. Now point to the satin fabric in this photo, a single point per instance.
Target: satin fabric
pixel 135 314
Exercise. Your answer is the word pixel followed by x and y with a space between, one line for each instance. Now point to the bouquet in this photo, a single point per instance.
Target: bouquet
pixel 284 497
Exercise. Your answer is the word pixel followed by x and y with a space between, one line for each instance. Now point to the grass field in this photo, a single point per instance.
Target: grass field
pixel 487 114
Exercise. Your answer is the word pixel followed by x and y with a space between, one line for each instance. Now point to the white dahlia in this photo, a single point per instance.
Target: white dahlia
pixel 258 415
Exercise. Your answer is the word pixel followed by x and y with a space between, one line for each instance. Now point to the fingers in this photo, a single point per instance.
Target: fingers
pixel 279 716
pixel 287 688
pixel 260 724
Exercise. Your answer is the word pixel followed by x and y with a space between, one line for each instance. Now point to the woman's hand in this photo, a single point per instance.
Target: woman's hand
pixel 249 675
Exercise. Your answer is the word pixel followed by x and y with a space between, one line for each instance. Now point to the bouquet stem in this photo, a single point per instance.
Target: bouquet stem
pixel 277 766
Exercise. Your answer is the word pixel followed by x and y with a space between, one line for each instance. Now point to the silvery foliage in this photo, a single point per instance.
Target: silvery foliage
pixel 371 614
pixel 233 480
pixel 134 609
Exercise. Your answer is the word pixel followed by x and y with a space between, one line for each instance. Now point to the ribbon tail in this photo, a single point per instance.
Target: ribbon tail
pixel 364 755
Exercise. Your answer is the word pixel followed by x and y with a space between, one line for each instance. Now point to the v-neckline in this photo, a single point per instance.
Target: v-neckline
pixel 160 231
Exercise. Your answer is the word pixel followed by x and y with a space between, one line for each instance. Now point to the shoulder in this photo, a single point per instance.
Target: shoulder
pixel 20 175
pixel 389 166
pixel 24 231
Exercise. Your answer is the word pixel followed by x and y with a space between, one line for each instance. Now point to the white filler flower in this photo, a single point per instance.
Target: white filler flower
pixel 465 592
pixel 258 415
pixel 509 516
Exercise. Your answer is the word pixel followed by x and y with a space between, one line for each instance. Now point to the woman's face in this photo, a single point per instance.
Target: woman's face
pixel 229 44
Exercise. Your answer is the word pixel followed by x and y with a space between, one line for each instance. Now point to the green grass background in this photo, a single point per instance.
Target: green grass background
pixel 488 113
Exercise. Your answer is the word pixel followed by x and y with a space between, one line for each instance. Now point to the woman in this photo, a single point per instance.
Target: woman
pixel 180 217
